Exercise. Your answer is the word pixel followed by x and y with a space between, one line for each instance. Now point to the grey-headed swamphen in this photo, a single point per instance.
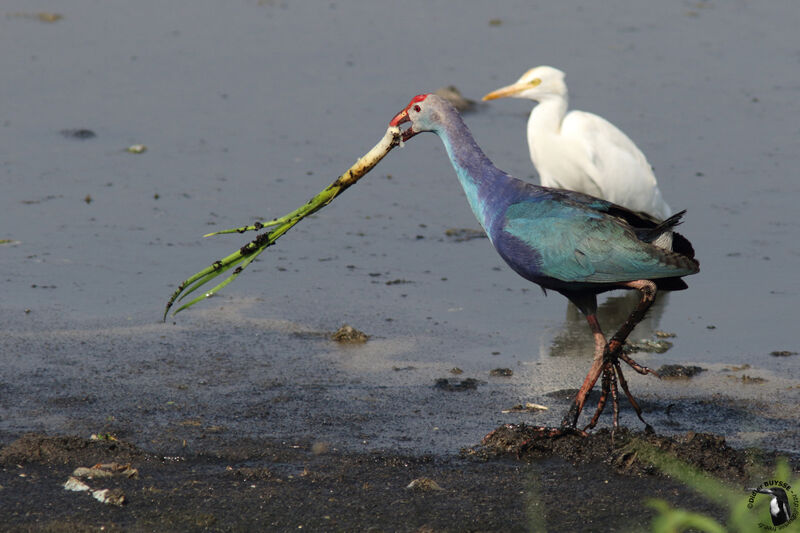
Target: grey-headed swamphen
pixel 565 241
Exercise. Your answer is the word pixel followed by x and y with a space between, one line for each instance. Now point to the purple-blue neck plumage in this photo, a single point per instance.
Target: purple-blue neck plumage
pixel 485 185
pixel 586 241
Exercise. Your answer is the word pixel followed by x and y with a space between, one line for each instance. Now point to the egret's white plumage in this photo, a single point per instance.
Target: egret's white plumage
pixel 581 151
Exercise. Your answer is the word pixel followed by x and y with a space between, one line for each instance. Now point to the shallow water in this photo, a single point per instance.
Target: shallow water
pixel 249 110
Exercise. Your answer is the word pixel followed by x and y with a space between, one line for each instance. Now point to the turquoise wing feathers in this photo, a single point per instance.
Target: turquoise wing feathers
pixel 575 244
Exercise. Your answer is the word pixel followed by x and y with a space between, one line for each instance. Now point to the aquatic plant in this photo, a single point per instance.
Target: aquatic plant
pixel 746 514
pixel 245 255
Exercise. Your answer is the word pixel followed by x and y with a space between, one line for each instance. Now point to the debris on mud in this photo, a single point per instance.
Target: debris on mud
pixel 103 470
pixel 110 496
pixel 527 408
pixel 664 334
pixel 91 472
pixel 782 353
pixel 115 496
pixel 627 452
pixel 423 484
pixel 464 234
pixel 679 371
pixel 749 380
pixel 501 372
pixel 76 485
pixel 42 16
pixel 113 469
pixel 647 346
pixel 463 385
pixel 80 134
pixel 136 149
pixel 349 335
pixel 736 368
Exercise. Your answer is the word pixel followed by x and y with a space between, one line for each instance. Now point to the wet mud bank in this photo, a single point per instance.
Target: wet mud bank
pixel 511 482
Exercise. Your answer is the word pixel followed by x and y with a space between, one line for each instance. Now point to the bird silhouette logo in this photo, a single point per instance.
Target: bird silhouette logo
pixel 783 503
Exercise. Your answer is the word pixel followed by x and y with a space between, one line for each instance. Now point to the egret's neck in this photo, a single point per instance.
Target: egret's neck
pixel 548 114
pixel 544 122
pixel 479 177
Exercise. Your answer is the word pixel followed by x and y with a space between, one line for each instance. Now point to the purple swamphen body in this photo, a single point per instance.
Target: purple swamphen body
pixel 569 242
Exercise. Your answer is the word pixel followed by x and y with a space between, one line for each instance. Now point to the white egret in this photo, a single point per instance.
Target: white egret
pixel 581 151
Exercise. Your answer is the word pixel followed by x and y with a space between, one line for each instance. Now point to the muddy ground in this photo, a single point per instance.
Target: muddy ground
pixel 240 415
pixel 289 429
pixel 507 483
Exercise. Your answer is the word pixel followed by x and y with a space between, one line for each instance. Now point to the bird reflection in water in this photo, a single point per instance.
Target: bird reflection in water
pixel 572 341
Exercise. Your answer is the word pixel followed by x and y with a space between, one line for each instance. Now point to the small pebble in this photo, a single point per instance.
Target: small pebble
pixel 110 496
pixel 423 484
pixel 76 485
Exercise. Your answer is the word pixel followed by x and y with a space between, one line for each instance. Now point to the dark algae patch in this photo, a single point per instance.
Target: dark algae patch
pixel 679 371
pixel 62 450
pixel 624 451
pixel 454 385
